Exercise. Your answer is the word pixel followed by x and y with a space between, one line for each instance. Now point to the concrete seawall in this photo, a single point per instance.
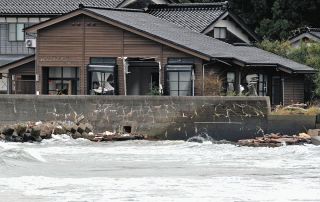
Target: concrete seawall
pixel 228 118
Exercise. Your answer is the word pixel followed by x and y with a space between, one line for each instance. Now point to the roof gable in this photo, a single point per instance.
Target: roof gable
pixel 312 33
pixel 199 17
pixel 314 36
pixel 196 17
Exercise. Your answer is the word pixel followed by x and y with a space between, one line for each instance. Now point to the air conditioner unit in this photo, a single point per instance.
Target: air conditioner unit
pixel 31 43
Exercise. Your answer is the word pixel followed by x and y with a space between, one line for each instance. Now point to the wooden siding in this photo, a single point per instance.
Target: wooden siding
pixel 22 86
pixel 293 89
pixel 71 44
pixel 26 69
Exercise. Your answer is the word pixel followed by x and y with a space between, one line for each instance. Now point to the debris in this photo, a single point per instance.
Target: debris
pixel 276 140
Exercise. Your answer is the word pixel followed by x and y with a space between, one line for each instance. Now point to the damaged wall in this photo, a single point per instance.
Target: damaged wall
pixel 167 117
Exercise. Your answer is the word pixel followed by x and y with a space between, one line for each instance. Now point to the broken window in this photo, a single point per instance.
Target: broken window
pixel 231 77
pixel 63 81
pixel 254 84
pixel 102 76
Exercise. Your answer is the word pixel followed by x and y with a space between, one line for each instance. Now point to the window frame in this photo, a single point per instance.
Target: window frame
pixel 233 82
pixel 61 78
pixel 219 28
pixel 180 61
pixel 112 61
pixel 16 32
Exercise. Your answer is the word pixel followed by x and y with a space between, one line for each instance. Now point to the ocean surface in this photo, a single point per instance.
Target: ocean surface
pixel 63 169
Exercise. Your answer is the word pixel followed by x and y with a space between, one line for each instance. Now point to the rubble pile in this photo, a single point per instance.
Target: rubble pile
pixel 276 140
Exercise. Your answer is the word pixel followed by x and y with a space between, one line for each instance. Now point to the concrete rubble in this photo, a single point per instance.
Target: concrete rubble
pixel 37 131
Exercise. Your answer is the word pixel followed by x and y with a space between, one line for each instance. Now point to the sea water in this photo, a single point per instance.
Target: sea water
pixel 63 169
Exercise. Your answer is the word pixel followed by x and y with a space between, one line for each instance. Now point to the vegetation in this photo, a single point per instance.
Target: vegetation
pixel 308 54
pixel 289 110
pixel 212 85
pixel 154 90
pixel 274 19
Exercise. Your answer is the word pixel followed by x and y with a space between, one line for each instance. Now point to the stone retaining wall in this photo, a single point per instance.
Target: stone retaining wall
pixel 230 118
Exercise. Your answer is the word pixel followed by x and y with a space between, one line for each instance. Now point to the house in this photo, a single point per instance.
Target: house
pixel 305 34
pixel 129 52
pixel 15 15
pixel 213 19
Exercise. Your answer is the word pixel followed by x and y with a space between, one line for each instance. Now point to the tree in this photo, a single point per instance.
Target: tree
pixel 274 19
pixel 308 54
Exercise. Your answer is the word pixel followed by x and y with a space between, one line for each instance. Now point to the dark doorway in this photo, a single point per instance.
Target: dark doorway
pixel 142 77
pixel 276 97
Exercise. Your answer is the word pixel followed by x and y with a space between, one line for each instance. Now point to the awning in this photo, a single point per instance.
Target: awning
pixel 179 67
pixel 16 61
pixel 102 68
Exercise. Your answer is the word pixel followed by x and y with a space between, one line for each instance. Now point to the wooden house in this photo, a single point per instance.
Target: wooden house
pixel 130 52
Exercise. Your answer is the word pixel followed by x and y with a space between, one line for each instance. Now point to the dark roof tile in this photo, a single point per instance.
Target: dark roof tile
pixel 49 7
pixel 314 31
pixel 196 17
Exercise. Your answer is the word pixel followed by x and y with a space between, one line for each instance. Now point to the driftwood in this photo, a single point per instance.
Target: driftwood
pixel 276 140
pixel 117 137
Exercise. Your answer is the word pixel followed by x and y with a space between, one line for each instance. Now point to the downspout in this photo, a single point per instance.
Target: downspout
pixel 282 81
pixel 125 69
pixel 193 78
pixel 160 76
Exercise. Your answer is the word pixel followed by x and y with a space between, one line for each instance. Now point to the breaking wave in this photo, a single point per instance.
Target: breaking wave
pixel 11 156
pixel 64 140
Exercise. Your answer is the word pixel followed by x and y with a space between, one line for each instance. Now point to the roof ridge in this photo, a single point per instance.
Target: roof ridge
pixel 81 6
pixel 302 30
pixel 222 5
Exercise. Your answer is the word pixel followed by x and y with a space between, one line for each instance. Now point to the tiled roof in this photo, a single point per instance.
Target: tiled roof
pixel 6 59
pixel 313 31
pixel 194 41
pixel 49 7
pixel 255 56
pixel 196 17
pixel 316 34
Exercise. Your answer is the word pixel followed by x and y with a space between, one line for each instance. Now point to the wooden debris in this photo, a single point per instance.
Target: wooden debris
pixel 276 140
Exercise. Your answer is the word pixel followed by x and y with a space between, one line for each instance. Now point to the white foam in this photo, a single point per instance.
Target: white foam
pixel 78 170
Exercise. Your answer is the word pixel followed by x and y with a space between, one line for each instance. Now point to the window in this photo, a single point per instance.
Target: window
pixel 263 82
pixel 102 76
pixel 16 32
pixel 255 84
pixel 220 32
pixel 180 73
pixel 231 77
pixel 63 81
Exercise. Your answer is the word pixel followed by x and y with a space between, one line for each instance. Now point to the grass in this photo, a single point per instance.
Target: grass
pixel 289 110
